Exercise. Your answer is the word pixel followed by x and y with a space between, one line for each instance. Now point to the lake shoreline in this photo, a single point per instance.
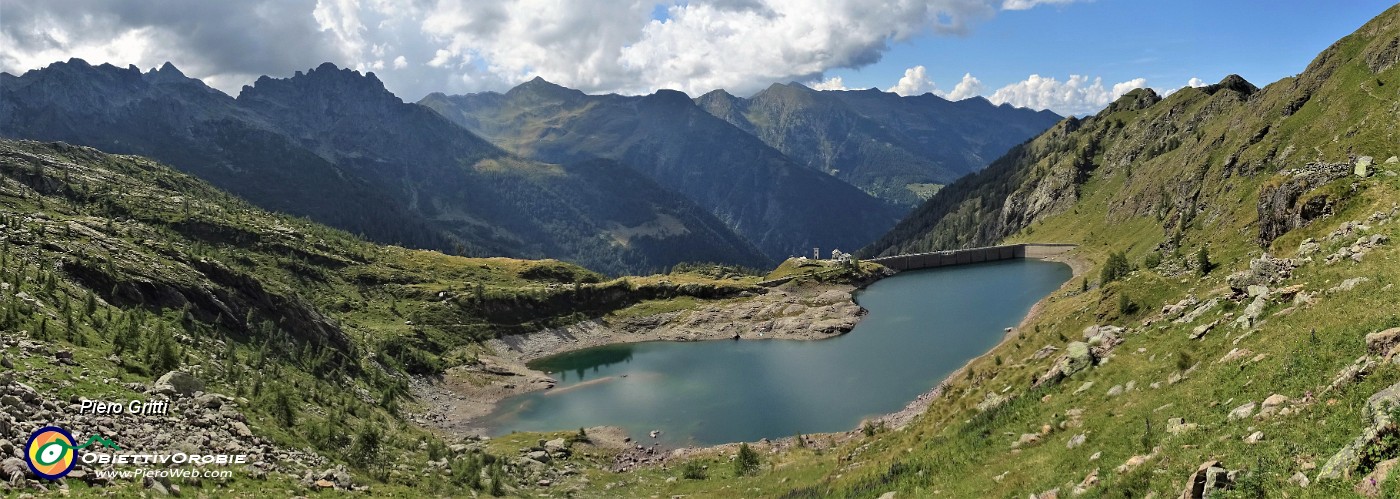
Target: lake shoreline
pixel 458 400
pixel 467 394
pixel 916 407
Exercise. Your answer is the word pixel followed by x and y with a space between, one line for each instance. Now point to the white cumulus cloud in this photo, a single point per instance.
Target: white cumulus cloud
pixel 1076 96
pixel 914 82
pixel 833 83
pixel 1192 83
pixel 472 45
pixel 969 87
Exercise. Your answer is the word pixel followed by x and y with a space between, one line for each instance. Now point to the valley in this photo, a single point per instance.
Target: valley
pixel 546 292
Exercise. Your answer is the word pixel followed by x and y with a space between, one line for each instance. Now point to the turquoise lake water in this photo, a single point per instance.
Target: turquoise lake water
pixel 922 326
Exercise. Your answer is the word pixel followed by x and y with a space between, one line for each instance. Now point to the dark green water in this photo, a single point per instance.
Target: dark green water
pixel 922 326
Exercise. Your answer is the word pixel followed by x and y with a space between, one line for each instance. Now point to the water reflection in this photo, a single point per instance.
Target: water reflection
pixel 582 362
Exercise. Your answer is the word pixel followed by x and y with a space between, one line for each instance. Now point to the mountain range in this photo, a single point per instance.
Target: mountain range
pixel 897 148
pixel 335 146
pixel 763 195
pixel 621 184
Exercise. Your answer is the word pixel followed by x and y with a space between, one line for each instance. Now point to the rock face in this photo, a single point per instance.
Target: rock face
pixel 1287 205
pixel 1242 412
pixel 1382 342
pixel 1372 485
pixel 1362 167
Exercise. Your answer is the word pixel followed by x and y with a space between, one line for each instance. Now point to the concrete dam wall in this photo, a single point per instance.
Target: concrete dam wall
pixel 971 255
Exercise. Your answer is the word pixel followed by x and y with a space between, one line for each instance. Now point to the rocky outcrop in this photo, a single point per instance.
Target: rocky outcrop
pixel 1210 477
pixel 789 312
pixel 1289 202
pixel 1077 357
pixel 1379 415
pixel 1263 271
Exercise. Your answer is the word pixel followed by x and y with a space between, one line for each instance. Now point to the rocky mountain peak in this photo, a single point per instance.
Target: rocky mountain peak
pixel 167 73
pixel 540 89
pixel 327 86
pixel 1234 83
pixel 667 96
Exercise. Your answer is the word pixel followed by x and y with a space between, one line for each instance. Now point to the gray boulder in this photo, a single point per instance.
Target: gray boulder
pixel 1377 412
pixel 177 383
pixel 1077 357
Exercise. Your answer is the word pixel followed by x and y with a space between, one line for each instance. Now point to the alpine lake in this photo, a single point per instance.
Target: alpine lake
pixel 922 326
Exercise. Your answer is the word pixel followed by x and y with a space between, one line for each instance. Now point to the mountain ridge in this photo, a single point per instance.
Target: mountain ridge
pixel 886 144
pixel 757 191
pixel 316 144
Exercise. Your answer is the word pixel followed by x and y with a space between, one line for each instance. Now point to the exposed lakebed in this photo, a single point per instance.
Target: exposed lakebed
pixel 922 326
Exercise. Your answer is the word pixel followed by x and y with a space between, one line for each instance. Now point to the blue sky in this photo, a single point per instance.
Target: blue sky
pixel 1084 52
pixel 1166 42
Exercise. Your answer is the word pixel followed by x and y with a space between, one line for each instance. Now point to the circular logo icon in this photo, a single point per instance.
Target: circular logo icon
pixel 51 452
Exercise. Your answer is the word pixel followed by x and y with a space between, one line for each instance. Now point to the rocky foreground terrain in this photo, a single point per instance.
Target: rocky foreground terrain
pixel 196 423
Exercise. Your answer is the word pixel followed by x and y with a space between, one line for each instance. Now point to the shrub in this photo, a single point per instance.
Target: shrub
pixel 1152 260
pixel 580 437
pixel 1184 361
pixel 693 470
pixel 747 461
pixel 466 472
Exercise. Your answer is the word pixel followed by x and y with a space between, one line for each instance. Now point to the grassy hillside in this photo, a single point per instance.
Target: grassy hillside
pixel 129 270
pixel 1238 306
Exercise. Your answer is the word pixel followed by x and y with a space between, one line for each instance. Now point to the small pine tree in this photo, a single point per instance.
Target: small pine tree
pixel 364 450
pixel 1126 305
pixel 1147 437
pixel 746 462
pixel 90 304
pixel 1203 263
pixel 1117 267
pixel 498 478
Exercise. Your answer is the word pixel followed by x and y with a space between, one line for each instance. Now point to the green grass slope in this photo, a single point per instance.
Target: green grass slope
pixel 1146 188
pixel 138 270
